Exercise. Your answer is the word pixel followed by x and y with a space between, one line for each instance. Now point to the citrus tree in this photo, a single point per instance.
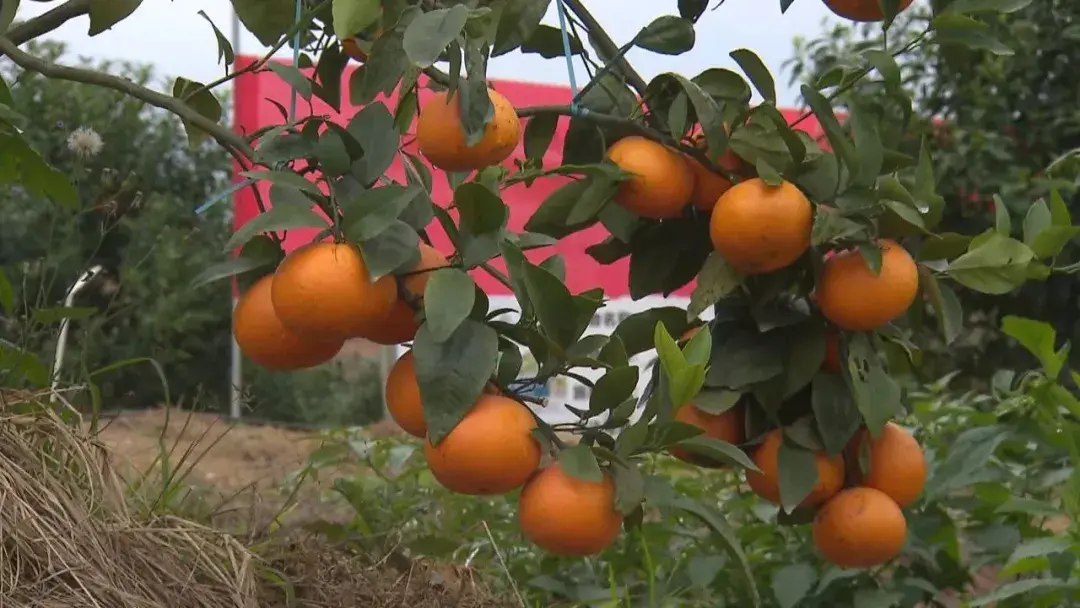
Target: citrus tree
pixel 819 262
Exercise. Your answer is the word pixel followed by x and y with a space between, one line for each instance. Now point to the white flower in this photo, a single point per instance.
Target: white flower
pixel 85 142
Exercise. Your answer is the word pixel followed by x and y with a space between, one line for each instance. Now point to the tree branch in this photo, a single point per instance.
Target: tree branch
pixel 46 22
pixel 223 135
pixel 607 46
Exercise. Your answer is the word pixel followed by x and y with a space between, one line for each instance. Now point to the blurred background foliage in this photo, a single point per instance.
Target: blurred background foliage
pixel 146 307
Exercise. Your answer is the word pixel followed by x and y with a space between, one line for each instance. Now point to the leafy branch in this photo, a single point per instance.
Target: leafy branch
pixel 48 21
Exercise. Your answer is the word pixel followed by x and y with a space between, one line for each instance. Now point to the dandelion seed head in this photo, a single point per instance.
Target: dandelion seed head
pixel 85 142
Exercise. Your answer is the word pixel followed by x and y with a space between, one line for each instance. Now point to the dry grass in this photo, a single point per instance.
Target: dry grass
pixel 70 536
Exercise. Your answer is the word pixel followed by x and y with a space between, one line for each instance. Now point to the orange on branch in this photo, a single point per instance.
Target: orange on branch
pixel 441 138
pixel 760 228
pixel 859 528
pixel 491 451
pixel 853 298
pixel 403 396
pixel 264 340
pixel 662 182
pixel 862 10
pixel 726 426
pixel 565 515
pixel 897 465
pixel 709 186
pixel 766 484
pixel 401 324
pixel 325 289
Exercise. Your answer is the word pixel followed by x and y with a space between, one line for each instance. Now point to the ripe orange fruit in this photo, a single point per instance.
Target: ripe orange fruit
pixel 897 465
pixel 727 426
pixel 403 397
pixel 859 528
pixel 759 228
pixel 325 289
pixel 710 186
pixel 266 341
pixel 831 363
pixel 662 182
pixel 565 515
pixel 491 451
pixel 401 324
pixel 853 298
pixel 441 139
pixel 766 484
pixel 861 10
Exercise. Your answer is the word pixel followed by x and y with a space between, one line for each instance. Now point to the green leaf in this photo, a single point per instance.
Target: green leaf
pixel 1002 219
pixel 482 210
pixel 372 211
pixel 875 392
pixel 953 28
pixel 578 461
pixel 374 129
pixel 332 153
pixel 705 107
pixel 268 20
pixel 230 268
pixel 756 71
pixel 613 388
pixel 871 151
pixel 7 294
pixel 797 473
pixel 264 249
pixel 517 23
pixel 1051 241
pixel 196 96
pixel 448 299
pixel 7 15
pixel 629 487
pixel 351 17
pixel 947 307
pixel 106 13
pixel 225 49
pixel 988 6
pixel 293 77
pixel 546 41
pixel 835 413
pixel 876 598
pixel 17 365
pixel 792 583
pixel 552 302
pixel 667 35
pixel 393 249
pixel 1032 555
pixel 384 68
pixel 822 109
pixel 965 460
pixel 33 173
pixel 885 65
pixel 1036 220
pixel 715 520
pixel 718 451
pixel 1021 587
pixel 996 265
pixel 539 131
pixel 286 179
pixel 452 373
pixel 281 216
pixel 636 332
pixel 1039 339
pixel 430 33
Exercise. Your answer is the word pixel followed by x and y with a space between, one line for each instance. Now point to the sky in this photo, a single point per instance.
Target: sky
pixel 171 35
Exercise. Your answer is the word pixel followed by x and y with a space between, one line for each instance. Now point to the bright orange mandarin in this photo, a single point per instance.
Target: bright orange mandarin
pixel 401 324
pixel 325 289
pixel 441 139
pixel 727 426
pixel 897 465
pixel 766 484
pixel 403 397
pixel 710 186
pixel 569 516
pixel 266 341
pixel 859 528
pixel 853 298
pixel 491 451
pixel 759 228
pixel 662 182
pixel 861 10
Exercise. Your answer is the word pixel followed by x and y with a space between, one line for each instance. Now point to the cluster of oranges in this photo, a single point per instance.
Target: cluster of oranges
pixel 858 521
pixel 493 451
pixel 321 295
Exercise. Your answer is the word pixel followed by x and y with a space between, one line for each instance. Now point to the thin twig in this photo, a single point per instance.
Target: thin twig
pixel 502 562
pixel 222 134
pixel 44 23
